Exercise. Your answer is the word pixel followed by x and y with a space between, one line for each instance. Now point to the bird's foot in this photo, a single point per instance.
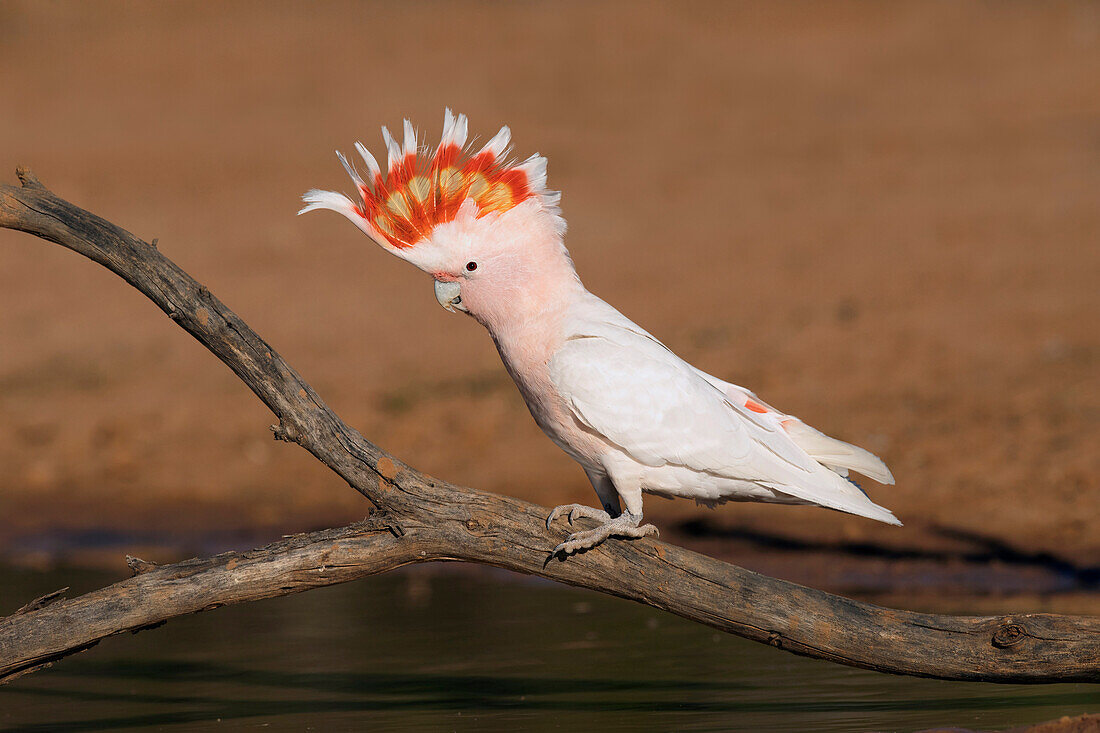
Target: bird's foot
pixel 577 510
pixel 624 525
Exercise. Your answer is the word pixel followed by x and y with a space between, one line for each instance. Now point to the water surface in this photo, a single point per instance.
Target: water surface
pixel 455 649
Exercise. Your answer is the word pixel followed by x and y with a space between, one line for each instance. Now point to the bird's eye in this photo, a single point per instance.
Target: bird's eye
pixel 471 266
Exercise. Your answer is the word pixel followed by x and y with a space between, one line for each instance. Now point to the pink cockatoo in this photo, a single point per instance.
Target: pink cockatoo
pixel 614 398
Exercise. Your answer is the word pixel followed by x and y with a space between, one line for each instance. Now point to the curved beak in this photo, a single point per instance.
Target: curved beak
pixel 449 295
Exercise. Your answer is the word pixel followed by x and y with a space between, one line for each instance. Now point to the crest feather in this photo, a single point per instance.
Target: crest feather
pixel 410 139
pixel 454 130
pixel 394 154
pixel 419 192
pixel 499 144
pixel 372 164
pixel 351 171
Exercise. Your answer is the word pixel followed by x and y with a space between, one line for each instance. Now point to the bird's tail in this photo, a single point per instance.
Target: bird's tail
pixel 836 454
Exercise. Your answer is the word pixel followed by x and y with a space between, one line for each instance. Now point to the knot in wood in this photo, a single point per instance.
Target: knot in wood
pixel 1009 635
pixel 138 566
pixel 285 432
pixel 479 523
pixel 775 639
pixel 27 178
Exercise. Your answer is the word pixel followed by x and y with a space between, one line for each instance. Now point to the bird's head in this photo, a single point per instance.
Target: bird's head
pixel 484 227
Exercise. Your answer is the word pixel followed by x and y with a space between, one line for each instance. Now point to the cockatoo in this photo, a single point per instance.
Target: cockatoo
pixel 619 402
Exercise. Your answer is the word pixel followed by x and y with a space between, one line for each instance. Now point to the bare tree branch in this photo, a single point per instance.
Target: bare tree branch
pixel 420 519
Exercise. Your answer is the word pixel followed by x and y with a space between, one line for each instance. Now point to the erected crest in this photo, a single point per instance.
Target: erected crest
pixel 420 192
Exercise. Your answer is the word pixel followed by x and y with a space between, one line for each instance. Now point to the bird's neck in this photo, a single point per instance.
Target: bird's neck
pixel 527 326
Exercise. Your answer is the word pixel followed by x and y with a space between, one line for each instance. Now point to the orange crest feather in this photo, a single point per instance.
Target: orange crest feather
pixel 420 193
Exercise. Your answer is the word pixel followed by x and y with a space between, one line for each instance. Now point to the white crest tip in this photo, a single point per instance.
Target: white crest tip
pixel 392 148
pixel 410 138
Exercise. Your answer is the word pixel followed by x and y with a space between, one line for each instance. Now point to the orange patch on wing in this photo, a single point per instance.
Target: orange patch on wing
pixel 755 406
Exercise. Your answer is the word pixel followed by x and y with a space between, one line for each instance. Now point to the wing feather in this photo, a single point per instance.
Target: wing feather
pixel 648 406
pixel 631 390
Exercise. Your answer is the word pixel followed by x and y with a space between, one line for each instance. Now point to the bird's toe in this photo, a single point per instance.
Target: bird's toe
pixel 625 525
pixel 572 511
pixel 581 541
pixel 579 510
pixel 557 512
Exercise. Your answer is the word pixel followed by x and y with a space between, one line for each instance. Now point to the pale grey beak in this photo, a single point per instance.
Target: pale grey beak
pixel 449 295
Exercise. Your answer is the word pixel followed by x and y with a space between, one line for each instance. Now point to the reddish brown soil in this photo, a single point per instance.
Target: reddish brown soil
pixel 884 218
pixel 1065 724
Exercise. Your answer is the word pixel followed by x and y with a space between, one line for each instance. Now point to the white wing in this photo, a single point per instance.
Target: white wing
pixel 627 387
pixel 648 405
pixel 833 453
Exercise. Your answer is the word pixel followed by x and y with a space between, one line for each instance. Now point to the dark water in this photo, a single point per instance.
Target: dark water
pixel 457 650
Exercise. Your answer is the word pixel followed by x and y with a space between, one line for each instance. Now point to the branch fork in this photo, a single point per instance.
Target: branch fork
pixel 416 518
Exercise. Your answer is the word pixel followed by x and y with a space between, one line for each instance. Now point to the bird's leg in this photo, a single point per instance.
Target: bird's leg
pixel 614 521
pixel 605 490
pixel 624 525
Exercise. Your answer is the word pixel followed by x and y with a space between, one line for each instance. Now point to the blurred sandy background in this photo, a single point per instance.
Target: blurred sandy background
pixel 883 217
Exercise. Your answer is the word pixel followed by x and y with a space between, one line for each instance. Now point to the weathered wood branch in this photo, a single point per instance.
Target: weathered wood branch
pixel 420 519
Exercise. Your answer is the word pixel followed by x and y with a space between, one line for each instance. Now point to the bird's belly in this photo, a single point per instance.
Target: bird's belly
pixel 552 415
pixel 580 445
pixel 706 488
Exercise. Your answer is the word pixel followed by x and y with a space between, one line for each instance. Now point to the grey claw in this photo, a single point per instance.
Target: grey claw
pixel 625 526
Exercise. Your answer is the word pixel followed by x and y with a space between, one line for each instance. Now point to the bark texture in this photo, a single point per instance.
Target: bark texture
pixel 416 518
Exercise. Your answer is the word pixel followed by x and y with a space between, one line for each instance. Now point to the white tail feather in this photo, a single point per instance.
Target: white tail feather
pixel 836 454
pixel 826 488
